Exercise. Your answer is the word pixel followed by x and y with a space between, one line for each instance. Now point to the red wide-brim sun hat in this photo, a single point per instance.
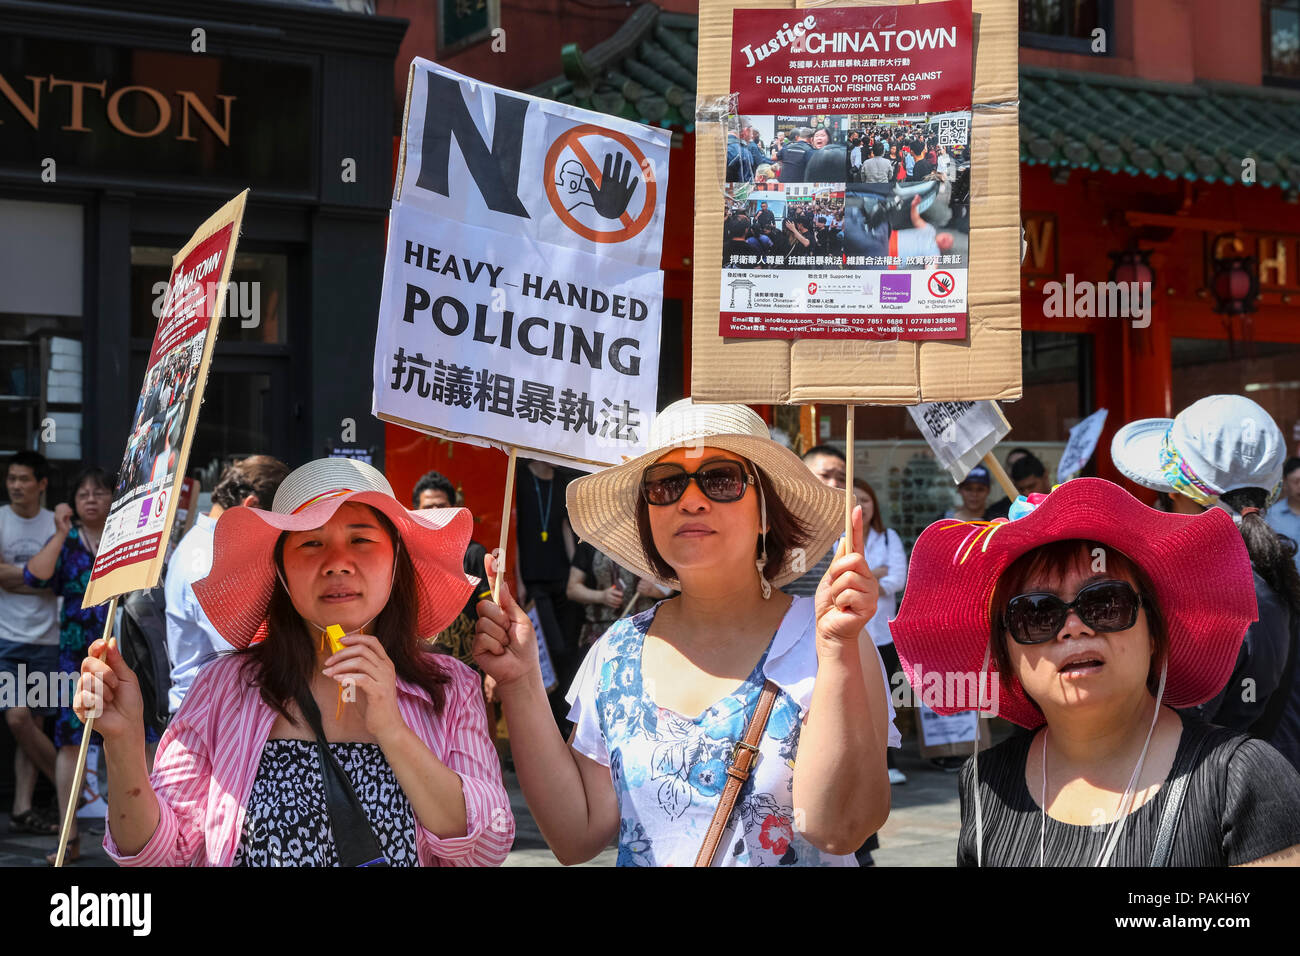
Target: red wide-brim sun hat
pixel 1197 564
pixel 237 591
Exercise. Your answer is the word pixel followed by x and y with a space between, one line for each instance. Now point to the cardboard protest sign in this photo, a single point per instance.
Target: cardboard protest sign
pixel 1082 443
pixel 982 365
pixel 133 548
pixel 960 433
pixel 855 252
pixel 522 295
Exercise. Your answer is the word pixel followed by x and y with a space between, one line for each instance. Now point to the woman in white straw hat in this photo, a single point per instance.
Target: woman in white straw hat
pixel 1226 452
pixel 304 748
pixel 675 706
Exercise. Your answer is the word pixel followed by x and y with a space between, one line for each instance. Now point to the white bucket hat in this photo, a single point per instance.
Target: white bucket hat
pixel 1215 445
pixel 602 506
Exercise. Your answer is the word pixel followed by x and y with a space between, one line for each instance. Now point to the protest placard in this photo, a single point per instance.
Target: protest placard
pixel 136 533
pixel 984 364
pixel 847 244
pixel 522 295
pixel 960 433
pixel 1082 443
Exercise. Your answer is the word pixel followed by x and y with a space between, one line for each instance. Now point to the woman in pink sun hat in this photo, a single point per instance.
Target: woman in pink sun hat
pixel 301 749
pixel 1086 619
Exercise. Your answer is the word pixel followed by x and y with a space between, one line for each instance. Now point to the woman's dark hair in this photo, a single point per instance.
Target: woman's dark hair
pixel 282 665
pixel 877 522
pixel 1271 555
pixel 1055 560
pixel 785 532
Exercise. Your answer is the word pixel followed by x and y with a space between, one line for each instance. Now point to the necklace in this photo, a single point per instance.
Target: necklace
pixel 91 545
pixel 544 510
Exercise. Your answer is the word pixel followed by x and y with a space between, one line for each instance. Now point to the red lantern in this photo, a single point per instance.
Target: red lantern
pixel 1235 285
pixel 1131 265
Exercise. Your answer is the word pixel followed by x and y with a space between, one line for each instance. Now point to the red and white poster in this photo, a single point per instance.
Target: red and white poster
pixel 848 173
pixel 136 533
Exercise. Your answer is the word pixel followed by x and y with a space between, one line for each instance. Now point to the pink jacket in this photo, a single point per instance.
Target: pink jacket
pixel 208 757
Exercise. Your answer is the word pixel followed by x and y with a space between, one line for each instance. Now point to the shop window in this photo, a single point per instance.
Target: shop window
pixel 1281 19
pixel 1265 372
pixel 1066 25
pixel 256 307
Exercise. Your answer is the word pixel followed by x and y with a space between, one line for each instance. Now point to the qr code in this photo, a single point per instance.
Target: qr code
pixel 954 131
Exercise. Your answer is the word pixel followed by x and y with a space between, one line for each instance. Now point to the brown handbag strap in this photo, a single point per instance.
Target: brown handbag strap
pixel 743 757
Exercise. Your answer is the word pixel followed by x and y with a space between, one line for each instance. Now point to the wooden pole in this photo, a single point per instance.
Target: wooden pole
pixel 505 527
pixel 997 471
pixel 850 499
pixel 71 812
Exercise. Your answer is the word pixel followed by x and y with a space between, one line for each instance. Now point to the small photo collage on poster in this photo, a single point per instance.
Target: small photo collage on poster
pixel 847 192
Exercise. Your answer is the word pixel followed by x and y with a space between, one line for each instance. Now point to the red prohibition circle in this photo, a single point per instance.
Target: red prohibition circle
pixel 647 173
pixel 937 290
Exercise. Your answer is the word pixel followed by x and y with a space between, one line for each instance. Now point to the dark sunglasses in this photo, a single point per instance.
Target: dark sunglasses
pixel 722 480
pixel 1104 607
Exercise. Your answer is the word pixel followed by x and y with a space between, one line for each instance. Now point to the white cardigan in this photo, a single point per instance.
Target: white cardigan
pixel 885 549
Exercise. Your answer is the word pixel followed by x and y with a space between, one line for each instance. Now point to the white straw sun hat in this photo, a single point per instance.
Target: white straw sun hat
pixel 1218 444
pixel 602 506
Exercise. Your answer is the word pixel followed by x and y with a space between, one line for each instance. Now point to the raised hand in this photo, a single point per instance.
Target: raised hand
pixel 505 644
pixel 108 691
pixel 614 192
pixel 364 664
pixel 846 597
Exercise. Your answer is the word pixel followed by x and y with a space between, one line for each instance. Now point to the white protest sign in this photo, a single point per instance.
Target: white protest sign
pixel 937 730
pixel 522 295
pixel 1082 443
pixel 960 433
pixel 549 680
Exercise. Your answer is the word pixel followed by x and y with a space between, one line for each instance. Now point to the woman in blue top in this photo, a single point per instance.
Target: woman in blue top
pixel 63 565
pixel 725 515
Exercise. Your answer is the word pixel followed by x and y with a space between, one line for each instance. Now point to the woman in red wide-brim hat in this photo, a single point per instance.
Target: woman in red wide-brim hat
pixel 296 750
pixel 1090 617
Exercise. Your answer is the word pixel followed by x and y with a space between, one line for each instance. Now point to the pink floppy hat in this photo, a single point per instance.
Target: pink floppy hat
pixel 237 591
pixel 1198 566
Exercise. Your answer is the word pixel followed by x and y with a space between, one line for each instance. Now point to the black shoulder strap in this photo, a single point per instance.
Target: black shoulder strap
pixel 1181 774
pixel 353 836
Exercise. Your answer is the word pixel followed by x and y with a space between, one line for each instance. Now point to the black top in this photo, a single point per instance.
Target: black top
pixel 1242 803
pixel 534 497
pixel 473 563
pixel 793 158
pixel 287 821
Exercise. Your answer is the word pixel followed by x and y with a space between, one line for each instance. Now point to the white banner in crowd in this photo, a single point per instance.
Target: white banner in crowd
pixel 522 295
pixel 960 433
pixel 1082 443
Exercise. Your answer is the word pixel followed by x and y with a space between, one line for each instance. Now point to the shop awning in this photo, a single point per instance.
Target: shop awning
pixel 646 72
pixel 1138 127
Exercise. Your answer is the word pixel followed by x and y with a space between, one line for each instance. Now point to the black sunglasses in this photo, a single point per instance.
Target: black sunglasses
pixel 1038 617
pixel 721 480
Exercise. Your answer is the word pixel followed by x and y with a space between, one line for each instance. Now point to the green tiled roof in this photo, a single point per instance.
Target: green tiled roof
pixel 1129 126
pixel 646 72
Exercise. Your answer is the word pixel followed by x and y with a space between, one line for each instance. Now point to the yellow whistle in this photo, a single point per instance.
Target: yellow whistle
pixel 334 634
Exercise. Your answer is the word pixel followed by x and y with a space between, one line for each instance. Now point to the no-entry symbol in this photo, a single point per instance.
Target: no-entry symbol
pixel 941 284
pixel 569 164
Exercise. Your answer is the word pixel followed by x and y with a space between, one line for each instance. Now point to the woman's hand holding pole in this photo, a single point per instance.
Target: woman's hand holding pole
pixel 577 816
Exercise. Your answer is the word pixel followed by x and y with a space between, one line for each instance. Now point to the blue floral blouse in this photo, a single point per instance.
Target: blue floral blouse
pixel 669 770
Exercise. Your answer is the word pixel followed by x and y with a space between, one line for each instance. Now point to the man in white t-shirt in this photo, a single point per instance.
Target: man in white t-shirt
pixel 29 629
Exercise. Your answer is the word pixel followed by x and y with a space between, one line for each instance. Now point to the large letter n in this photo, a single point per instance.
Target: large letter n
pixel 495 172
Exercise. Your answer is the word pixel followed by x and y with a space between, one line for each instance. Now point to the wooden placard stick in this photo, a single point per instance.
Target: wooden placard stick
pixel 997 471
pixel 71 813
pixel 505 526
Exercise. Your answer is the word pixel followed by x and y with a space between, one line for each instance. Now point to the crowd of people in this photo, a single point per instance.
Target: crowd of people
pixel 807 228
pixel 724 654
